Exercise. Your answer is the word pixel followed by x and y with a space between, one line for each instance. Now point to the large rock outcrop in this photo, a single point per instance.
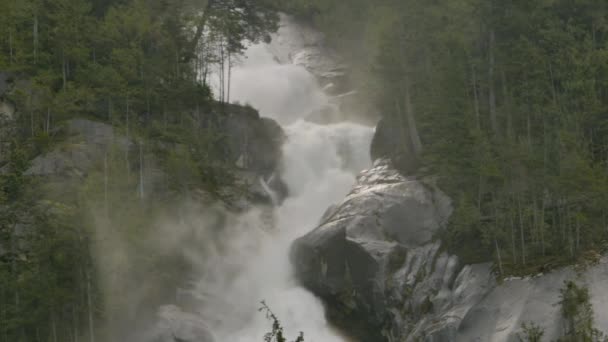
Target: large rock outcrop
pixel 250 143
pixel 374 248
pixel 374 262
pixel 175 325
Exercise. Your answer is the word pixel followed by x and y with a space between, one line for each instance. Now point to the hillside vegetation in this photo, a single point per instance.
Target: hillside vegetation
pixel 504 102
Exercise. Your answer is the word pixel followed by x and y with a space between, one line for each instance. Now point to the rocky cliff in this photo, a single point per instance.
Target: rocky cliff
pixel 384 277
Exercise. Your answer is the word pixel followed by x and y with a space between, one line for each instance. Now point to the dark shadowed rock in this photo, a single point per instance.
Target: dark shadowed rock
pixel 350 258
pixel 87 144
pixel 373 262
pixel 392 142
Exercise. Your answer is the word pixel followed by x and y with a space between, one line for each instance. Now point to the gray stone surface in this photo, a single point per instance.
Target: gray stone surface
pixel 383 278
pixel 87 143
pixel 372 255
pixel 300 44
pixel 174 325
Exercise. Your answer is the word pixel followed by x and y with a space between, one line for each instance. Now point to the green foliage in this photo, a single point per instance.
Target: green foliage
pixel 577 311
pixel 509 100
pixel 531 333
pixel 43 256
pixel 141 66
pixel 277 334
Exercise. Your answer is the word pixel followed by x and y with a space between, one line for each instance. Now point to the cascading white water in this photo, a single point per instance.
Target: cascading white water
pixel 320 163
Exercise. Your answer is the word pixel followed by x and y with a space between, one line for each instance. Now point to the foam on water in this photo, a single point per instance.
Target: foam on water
pixel 320 163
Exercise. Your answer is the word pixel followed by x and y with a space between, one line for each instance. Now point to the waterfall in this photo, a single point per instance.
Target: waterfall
pixel 320 163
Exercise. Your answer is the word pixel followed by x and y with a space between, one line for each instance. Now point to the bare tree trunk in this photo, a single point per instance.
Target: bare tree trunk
pixel 505 94
pixel 110 109
pixel 90 308
pixel 10 44
pixel 411 120
pixel 127 118
pixel 521 231
pixel 498 256
pixel 492 94
pixel 141 171
pixel 105 185
pixel 128 140
pixel 529 132
pixel 31 116
pixel 64 71
pixel 48 120
pixel 578 232
pixel 542 224
pixel 53 326
pixel 229 77
pixel 476 97
pixel 3 329
pixel 148 107
pixel 514 249
pixel 36 36
pixel 569 230
pixel 75 324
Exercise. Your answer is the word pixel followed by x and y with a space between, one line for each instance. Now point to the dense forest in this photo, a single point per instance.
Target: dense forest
pixel 145 68
pixel 505 103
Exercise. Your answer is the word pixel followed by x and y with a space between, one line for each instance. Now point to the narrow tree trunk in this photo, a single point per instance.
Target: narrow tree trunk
pixel 10 44
pixel 554 88
pixel 229 77
pixel 105 185
pixel 75 323
pixel 36 37
pixel 521 231
pixel 498 257
pixel 513 247
pixel 492 94
pixel 127 118
pixel 64 71
pixel 141 171
pixel 479 191
pixel 569 231
pixel 578 232
pixel 411 120
pixel 109 109
pixel 476 97
pixel 542 224
pixel 90 309
pixel 507 105
pixel 4 317
pixel 48 120
pixel 32 129
pixel 128 140
pixel 148 106
pixel 529 132
pixel 53 326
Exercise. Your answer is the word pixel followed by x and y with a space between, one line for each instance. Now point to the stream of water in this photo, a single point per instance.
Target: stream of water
pixel 320 163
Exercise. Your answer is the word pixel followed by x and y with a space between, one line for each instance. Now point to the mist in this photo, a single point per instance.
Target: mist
pixel 224 263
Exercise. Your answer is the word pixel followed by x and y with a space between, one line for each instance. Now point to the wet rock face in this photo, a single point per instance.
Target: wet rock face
pixel 174 325
pixel 374 251
pixel 374 263
pixel 252 142
pixel 391 142
pixel 86 146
